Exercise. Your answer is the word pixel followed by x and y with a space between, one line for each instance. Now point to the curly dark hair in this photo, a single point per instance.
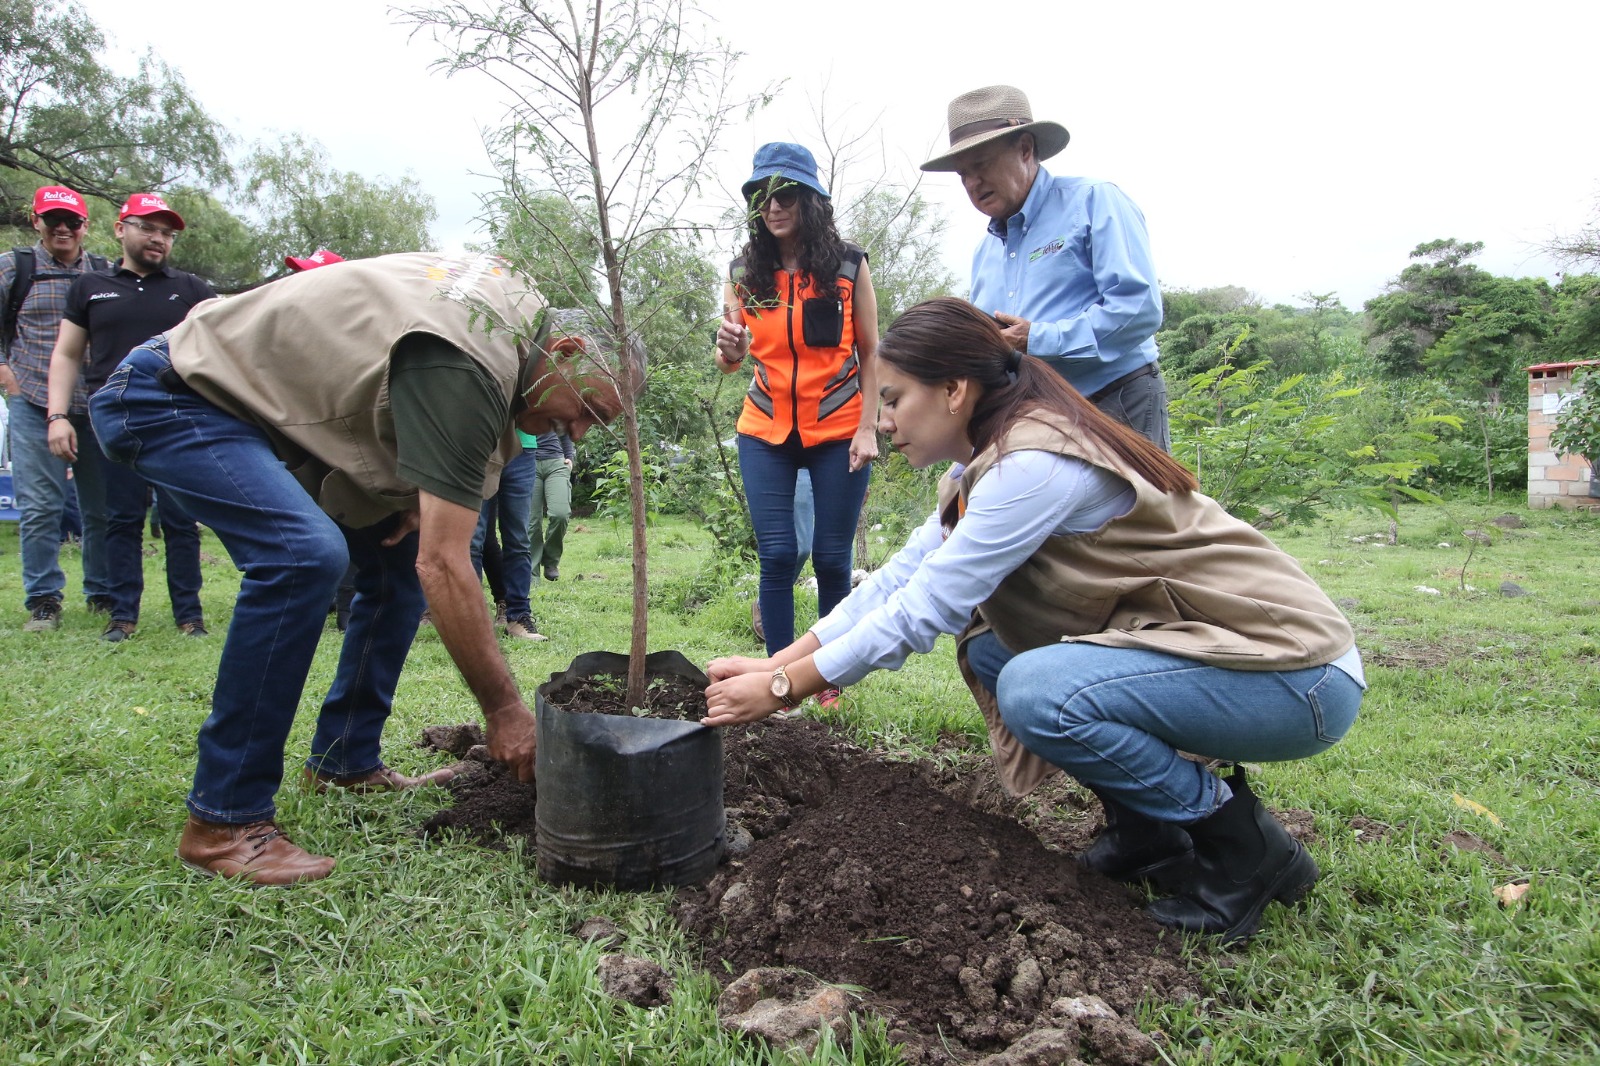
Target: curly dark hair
pixel 821 247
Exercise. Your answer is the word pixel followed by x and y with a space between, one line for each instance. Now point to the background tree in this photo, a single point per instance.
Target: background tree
pixel 1417 307
pixel 615 111
pixel 304 203
pixel 66 118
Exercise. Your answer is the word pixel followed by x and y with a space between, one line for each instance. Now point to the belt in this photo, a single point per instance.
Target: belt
pixel 1150 369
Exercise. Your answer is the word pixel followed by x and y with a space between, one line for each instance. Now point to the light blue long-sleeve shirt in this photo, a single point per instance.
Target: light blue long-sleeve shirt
pixel 934 583
pixel 1075 262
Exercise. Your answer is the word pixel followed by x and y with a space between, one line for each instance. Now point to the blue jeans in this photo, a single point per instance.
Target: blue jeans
pixel 805 517
pixel 509 510
pixel 127 504
pixel 224 472
pixel 1117 718
pixel 769 473
pixel 40 482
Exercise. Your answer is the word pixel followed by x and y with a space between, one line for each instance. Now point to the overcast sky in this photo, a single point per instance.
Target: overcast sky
pixel 1282 147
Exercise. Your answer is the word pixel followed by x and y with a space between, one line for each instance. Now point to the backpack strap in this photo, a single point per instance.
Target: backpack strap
pixel 21 284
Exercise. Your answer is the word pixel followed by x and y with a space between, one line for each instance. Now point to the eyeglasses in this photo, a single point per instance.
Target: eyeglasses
pixel 164 232
pixel 62 218
pixel 784 198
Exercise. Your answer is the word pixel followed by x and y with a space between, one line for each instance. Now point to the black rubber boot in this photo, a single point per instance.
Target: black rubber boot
pixel 1243 860
pixel 1134 848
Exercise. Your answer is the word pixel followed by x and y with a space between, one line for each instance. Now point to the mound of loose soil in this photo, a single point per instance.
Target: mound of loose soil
pixel 917 881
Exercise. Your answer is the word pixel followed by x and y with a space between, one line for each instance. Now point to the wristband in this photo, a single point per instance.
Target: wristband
pixel 55 418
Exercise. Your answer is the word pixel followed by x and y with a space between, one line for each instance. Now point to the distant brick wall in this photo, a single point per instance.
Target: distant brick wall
pixel 1554 480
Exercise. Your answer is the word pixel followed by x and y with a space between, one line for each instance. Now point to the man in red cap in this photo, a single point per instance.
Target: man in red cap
pixel 33 292
pixel 109 314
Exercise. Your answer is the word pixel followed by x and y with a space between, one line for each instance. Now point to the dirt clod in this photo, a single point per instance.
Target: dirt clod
pixel 786 1008
pixel 638 981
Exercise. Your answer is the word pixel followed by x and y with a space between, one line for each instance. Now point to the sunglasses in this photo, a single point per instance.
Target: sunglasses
pixel 54 219
pixel 784 198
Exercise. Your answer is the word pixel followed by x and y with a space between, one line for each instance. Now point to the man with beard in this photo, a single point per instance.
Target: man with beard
pixel 109 314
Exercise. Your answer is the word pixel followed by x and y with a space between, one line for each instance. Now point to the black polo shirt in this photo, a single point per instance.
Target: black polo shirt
pixel 120 310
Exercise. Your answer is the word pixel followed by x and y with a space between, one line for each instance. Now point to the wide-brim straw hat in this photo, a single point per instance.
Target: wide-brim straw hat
pixel 995 111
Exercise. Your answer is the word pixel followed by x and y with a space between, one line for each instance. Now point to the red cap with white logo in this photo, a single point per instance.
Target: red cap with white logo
pixel 148 203
pixel 58 198
pixel 320 257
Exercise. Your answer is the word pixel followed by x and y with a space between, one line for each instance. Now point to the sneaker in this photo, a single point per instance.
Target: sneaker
pixel 426 619
pixel 523 629
pixel 828 698
pixel 499 613
pixel 117 631
pixel 552 572
pixel 44 615
pixel 99 604
pixel 196 628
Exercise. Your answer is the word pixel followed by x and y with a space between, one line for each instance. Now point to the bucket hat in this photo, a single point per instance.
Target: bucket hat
pixel 780 159
pixel 994 111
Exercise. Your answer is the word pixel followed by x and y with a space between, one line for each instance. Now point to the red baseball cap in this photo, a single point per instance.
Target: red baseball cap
pixel 319 258
pixel 148 203
pixel 58 198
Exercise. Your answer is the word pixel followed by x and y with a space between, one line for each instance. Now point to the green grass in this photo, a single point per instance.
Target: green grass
pixel 417 951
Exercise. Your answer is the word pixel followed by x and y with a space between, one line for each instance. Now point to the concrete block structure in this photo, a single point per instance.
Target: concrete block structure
pixel 1555 480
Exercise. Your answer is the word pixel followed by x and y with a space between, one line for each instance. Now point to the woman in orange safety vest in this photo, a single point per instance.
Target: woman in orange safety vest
pixel 799 299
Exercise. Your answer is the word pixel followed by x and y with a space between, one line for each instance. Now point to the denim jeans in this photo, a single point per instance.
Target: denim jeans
pixel 384 614
pixel 127 503
pixel 509 511
pixel 769 473
pixel 552 501
pixel 39 480
pixel 224 472
pixel 1116 719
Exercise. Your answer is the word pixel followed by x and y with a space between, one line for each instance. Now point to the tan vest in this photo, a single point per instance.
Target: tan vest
pixel 307 359
pixel 1176 574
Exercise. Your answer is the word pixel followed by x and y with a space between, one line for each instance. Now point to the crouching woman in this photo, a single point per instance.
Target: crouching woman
pixel 1111 618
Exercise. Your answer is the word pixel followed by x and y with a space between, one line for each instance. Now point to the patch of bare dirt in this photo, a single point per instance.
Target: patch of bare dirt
pixel 955 906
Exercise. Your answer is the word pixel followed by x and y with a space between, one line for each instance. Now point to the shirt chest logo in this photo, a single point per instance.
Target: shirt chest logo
pixel 104 296
pixel 1043 250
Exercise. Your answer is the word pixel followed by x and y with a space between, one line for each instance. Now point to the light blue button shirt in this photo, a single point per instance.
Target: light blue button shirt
pixel 1075 262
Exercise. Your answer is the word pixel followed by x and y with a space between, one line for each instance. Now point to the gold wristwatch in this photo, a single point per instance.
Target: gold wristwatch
pixel 783 689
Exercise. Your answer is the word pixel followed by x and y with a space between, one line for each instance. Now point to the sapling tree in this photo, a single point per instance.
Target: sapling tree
pixel 615 109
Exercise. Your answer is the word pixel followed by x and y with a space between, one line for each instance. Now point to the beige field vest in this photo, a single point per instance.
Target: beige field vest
pixel 307 359
pixel 1176 574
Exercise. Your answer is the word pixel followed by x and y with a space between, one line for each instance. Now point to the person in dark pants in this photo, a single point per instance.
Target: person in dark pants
pixel 307 436
pixel 799 302
pixel 108 314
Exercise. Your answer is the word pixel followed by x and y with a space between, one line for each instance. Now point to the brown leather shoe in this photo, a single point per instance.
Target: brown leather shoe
pixel 382 779
pixel 258 852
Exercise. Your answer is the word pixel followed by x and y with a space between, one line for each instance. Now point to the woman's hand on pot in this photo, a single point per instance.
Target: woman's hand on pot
pixel 863 448
pixel 734 665
pixel 740 700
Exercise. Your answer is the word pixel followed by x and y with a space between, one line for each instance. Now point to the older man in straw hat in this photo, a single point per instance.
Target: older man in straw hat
pixel 1065 267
